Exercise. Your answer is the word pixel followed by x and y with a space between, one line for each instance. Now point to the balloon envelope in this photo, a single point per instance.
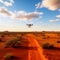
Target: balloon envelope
pixel 29 25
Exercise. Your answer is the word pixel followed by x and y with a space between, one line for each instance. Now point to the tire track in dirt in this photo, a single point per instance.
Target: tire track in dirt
pixel 35 54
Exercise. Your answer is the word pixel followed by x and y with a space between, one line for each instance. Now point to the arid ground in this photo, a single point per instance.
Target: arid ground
pixel 30 47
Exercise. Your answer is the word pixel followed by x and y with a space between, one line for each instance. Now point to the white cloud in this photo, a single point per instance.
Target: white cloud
pixel 27 16
pixel 50 4
pixel 22 15
pixel 58 9
pixel 57 20
pixel 12 1
pixel 38 5
pixel 1 1
pixel 6 3
pixel 5 12
pixel 58 16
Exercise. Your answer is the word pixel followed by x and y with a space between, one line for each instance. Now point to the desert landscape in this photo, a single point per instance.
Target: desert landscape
pixel 29 29
pixel 29 45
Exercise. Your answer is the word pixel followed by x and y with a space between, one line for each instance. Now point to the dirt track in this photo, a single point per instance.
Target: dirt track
pixel 30 51
pixel 37 53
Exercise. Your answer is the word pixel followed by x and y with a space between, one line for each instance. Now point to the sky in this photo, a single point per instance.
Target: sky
pixel 16 14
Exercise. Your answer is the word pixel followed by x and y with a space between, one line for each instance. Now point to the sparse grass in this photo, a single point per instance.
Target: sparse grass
pixel 51 54
pixel 9 57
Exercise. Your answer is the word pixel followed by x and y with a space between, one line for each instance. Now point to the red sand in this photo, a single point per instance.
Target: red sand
pixel 32 49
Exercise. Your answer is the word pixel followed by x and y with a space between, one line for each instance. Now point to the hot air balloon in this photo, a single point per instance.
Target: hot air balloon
pixel 29 25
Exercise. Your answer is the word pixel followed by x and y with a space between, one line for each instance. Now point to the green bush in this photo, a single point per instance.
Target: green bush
pixel 47 45
pixel 51 46
pixel 13 43
pixel 9 57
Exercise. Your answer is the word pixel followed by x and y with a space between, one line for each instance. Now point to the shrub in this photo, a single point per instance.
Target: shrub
pixel 58 41
pixel 3 35
pixel 0 39
pixel 9 57
pixel 13 43
pixel 47 45
pixel 16 43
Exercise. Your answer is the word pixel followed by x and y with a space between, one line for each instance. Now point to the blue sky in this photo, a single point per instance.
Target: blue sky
pixel 43 14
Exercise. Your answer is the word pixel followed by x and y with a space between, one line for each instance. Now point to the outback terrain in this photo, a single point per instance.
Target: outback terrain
pixel 29 45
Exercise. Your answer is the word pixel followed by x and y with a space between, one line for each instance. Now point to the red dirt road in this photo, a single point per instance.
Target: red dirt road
pixel 36 53
pixel 29 51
